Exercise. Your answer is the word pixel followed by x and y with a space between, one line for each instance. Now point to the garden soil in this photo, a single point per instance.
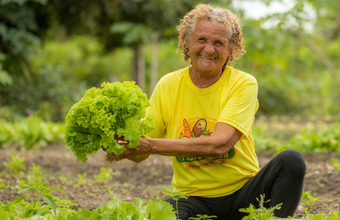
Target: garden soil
pixel 146 180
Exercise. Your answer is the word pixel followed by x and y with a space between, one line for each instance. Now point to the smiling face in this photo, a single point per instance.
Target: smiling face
pixel 209 47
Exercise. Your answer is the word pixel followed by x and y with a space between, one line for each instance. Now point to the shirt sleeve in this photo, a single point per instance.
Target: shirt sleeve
pixel 241 106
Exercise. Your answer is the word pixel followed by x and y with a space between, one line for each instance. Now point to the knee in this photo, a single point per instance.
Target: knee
pixel 293 161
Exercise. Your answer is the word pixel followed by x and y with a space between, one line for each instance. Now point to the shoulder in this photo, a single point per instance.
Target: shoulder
pixel 241 77
pixel 172 79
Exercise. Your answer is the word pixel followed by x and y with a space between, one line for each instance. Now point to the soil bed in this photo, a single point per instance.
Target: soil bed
pixel 147 179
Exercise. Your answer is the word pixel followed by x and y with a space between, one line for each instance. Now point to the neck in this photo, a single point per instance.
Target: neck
pixel 201 80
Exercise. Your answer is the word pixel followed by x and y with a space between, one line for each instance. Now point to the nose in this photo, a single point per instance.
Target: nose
pixel 209 48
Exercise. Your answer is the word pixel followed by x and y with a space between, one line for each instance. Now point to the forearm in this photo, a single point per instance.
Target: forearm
pixel 195 147
pixel 219 143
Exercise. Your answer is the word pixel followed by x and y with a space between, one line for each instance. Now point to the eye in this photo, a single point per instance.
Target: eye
pixel 218 43
pixel 201 39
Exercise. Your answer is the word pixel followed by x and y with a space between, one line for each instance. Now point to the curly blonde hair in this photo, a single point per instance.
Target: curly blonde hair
pixel 214 14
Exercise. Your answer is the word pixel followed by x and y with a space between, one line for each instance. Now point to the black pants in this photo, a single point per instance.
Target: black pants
pixel 280 180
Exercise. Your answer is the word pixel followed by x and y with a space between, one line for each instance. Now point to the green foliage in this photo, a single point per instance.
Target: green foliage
pixel 34 174
pixel 308 201
pixel 29 133
pixel 2 183
pixel 134 34
pixel 18 30
pixel 16 165
pixel 264 141
pixel 105 175
pixel 54 132
pixel 116 110
pixel 38 190
pixel 81 179
pixel 120 210
pixel 6 132
pixel 261 213
pixel 175 196
pixel 320 217
pixel 323 140
pixel 336 163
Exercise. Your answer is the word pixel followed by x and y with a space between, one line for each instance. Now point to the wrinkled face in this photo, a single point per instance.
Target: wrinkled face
pixel 209 47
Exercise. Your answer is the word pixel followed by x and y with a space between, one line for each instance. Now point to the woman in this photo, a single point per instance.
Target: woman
pixel 206 112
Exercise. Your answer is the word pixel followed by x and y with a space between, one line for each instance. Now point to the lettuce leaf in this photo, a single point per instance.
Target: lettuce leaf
pixel 117 109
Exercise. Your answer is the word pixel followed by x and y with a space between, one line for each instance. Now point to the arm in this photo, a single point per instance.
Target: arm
pixel 219 143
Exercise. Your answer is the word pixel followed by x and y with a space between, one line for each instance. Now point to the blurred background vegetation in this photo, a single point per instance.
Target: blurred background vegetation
pixel 52 51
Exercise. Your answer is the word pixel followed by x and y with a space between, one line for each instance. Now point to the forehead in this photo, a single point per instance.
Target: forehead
pixel 211 29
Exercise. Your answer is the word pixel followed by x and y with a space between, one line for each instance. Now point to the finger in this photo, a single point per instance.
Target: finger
pixel 122 142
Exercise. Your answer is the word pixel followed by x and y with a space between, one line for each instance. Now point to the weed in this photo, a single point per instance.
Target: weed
pixel 320 217
pixel 262 213
pixel 81 179
pixel 176 196
pixel 2 183
pixel 63 179
pixel 64 204
pixel 308 201
pixel 336 163
pixel 34 174
pixel 111 193
pixel 16 165
pixel 105 175
pixel 37 190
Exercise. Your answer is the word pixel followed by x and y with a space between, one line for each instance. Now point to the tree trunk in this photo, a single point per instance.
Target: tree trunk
pixel 138 66
pixel 154 62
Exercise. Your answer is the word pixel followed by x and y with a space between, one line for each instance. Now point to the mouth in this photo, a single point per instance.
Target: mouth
pixel 208 58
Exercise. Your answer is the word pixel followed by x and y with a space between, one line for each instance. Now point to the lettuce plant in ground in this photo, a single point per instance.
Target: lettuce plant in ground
pixel 117 110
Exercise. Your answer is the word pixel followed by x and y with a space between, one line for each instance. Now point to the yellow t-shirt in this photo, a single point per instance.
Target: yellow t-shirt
pixel 182 110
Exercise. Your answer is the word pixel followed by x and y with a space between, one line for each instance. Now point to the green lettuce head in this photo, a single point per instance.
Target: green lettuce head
pixel 116 110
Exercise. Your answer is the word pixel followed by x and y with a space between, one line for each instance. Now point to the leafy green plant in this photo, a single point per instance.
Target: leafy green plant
pixel 261 213
pixel 335 163
pixel 6 132
pixel 105 175
pixel 64 205
pixel 2 183
pixel 34 174
pixel 120 210
pixel 308 201
pixel 175 196
pixel 323 140
pixel 37 190
pixel 55 208
pixel 320 217
pixel 111 192
pixel 29 133
pixel 81 179
pixel 115 110
pixel 263 141
pixel 16 165
pixel 54 132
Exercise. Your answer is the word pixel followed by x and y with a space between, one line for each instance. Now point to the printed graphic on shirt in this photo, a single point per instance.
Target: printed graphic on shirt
pixel 200 127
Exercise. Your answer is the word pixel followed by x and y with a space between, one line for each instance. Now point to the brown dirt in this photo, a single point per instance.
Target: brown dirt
pixel 147 179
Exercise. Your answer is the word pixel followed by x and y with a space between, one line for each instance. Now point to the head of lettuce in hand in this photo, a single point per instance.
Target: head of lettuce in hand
pixel 115 111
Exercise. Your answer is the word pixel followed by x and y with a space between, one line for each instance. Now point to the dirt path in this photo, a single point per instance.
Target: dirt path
pixel 147 179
